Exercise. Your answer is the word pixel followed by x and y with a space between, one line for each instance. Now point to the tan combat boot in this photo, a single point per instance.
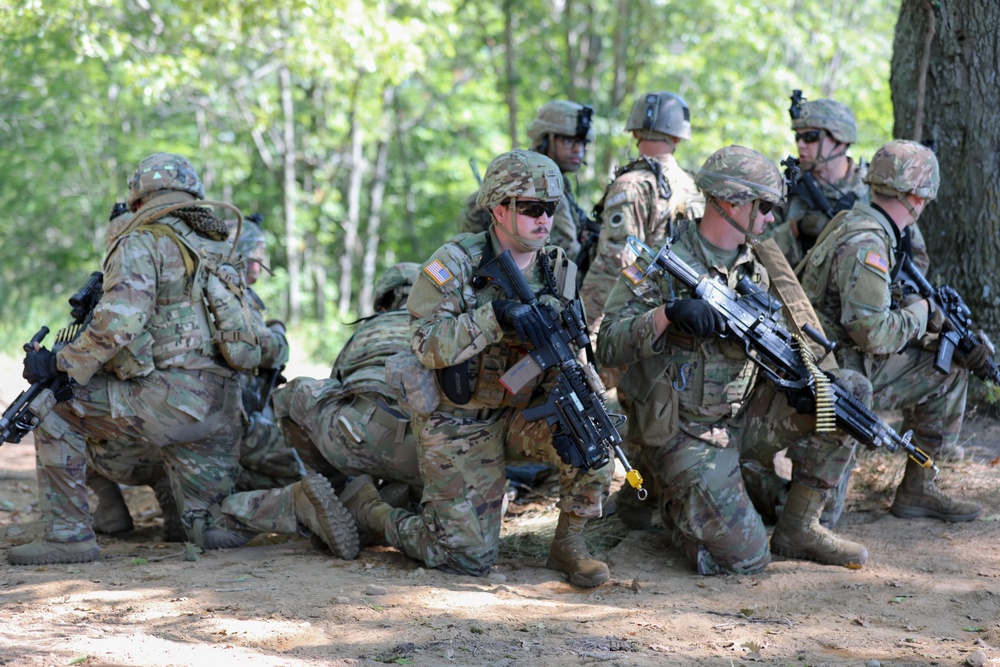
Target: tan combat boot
pixel 363 501
pixel 917 496
pixel 318 509
pixel 798 533
pixel 43 552
pixel 111 515
pixel 569 553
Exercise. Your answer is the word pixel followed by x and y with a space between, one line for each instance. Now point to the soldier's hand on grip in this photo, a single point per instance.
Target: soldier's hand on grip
pixel 40 366
pixel 695 317
pixel 520 320
pixel 977 360
pixel 567 450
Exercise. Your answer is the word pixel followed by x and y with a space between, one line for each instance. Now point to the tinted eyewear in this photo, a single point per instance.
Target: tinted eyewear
pixel 810 137
pixel 535 209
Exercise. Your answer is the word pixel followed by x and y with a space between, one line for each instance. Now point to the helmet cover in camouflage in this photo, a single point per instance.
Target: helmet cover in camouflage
pixel 660 113
pixel 829 115
pixel 561 117
pixel 904 166
pixel 394 285
pixel 738 175
pixel 252 242
pixel 520 173
pixel 163 171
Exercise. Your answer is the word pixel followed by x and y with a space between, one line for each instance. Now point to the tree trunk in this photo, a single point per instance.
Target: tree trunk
pixel 510 64
pixel 370 262
pixel 959 114
pixel 289 196
pixel 352 222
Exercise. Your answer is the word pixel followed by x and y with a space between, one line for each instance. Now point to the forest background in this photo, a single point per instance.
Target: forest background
pixel 350 124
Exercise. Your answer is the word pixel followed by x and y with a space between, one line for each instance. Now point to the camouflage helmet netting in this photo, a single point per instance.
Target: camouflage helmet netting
pixel 904 166
pixel 829 115
pixel 519 173
pixel 163 171
pixel 739 175
pixel 557 117
pixel 660 112
pixel 394 285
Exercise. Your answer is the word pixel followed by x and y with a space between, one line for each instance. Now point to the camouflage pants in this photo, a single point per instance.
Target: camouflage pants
pixel 339 436
pixel 266 462
pixel 705 501
pixel 462 456
pixel 192 417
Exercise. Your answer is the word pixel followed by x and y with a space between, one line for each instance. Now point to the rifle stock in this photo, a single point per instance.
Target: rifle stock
pixel 576 403
pixel 784 358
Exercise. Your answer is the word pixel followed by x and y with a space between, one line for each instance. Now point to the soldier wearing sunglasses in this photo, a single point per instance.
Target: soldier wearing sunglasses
pixel 466 333
pixel 561 131
pixel 824 131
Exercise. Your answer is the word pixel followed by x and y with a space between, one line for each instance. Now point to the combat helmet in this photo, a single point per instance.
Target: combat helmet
pixel 904 166
pixel 562 117
pixel 163 171
pixel 829 115
pixel 738 175
pixel 394 285
pixel 660 113
pixel 520 173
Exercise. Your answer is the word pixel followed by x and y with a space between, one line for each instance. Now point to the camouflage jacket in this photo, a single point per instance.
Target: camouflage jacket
pixel 847 278
pixel 453 322
pixel 147 316
pixel 635 204
pixel 567 224
pixel 715 374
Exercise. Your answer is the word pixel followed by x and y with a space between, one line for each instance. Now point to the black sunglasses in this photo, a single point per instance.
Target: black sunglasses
pixel 810 137
pixel 536 209
pixel 764 206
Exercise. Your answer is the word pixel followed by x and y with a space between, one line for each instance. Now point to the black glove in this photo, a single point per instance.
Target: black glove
pixel 695 317
pixel 977 360
pixel 40 366
pixel 567 450
pixel 520 320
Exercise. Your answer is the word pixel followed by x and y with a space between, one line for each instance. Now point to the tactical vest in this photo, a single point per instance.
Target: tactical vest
pixel 195 322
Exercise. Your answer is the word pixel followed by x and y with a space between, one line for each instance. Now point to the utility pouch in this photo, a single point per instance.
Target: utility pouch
pixel 135 360
pixel 418 388
pixel 653 413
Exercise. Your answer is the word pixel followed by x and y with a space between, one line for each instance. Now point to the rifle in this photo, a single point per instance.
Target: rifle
pixel 28 409
pixel 576 402
pixel 959 334
pixel 783 357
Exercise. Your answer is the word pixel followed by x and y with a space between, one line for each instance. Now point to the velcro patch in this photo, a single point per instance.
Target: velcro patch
pixel 617 199
pixel 634 273
pixel 876 260
pixel 438 272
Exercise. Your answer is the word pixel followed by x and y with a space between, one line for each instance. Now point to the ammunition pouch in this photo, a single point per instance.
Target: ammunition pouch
pixel 418 388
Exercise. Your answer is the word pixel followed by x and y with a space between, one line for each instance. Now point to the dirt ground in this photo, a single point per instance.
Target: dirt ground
pixel 929 594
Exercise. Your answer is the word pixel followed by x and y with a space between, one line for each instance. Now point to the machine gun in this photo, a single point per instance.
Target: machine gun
pixel 31 405
pixel 575 405
pixel 958 334
pixel 751 316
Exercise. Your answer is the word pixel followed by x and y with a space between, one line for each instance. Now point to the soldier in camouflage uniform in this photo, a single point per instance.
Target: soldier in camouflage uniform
pixel 353 423
pixel 561 131
pixel 848 276
pixel 824 131
pixel 691 391
pixel 649 198
pixel 145 372
pixel 265 461
pixel 464 420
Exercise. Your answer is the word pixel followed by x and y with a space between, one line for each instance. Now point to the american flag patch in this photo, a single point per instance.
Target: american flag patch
pixel 634 273
pixel 438 272
pixel 876 260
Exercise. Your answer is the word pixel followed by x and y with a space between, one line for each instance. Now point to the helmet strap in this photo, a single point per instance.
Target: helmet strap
pixel 752 238
pixel 821 159
pixel 522 243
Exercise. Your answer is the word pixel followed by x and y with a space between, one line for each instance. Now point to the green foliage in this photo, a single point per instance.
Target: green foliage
pixel 89 87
